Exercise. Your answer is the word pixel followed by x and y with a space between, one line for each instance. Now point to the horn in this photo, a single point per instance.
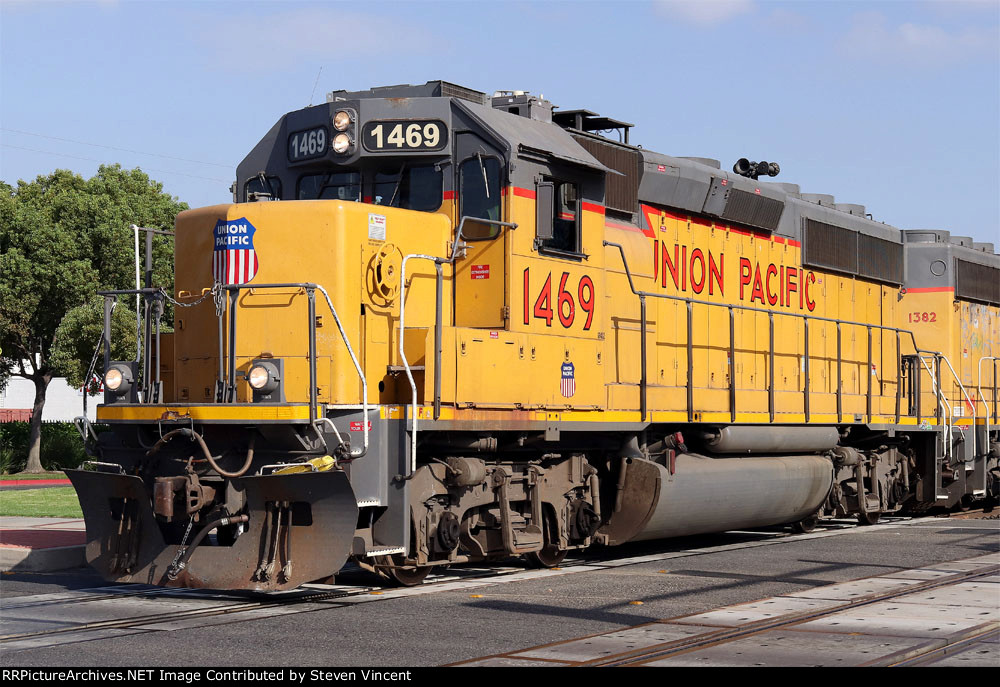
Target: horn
pixel 742 166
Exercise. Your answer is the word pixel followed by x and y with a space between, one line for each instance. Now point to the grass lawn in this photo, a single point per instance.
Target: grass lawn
pixel 38 475
pixel 52 502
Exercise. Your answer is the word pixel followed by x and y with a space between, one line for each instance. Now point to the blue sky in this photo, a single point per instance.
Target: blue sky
pixel 894 105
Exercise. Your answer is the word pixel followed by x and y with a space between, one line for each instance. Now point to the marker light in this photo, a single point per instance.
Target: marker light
pixel 342 120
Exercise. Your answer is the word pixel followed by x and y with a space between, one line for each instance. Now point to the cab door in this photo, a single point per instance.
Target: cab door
pixel 481 274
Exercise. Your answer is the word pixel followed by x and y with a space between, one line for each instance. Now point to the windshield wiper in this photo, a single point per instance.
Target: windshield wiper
pixel 486 183
pixel 398 183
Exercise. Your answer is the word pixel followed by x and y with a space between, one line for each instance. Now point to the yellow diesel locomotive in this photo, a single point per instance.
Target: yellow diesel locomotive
pixel 436 326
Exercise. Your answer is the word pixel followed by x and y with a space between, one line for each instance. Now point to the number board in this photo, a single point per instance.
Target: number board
pixel 392 135
pixel 305 145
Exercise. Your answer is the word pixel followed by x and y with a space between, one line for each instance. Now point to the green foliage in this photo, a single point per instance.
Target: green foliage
pixel 53 502
pixel 79 334
pixel 62 446
pixel 61 239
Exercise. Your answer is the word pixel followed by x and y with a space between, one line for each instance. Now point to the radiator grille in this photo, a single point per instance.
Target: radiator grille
pixel 621 191
pixel 450 90
pixel 880 259
pixel 748 208
pixel 829 246
pixel 977 282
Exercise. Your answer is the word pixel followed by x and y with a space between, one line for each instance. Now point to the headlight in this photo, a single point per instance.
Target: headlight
pixel 342 120
pixel 258 377
pixel 119 382
pixel 113 379
pixel 264 378
pixel 341 144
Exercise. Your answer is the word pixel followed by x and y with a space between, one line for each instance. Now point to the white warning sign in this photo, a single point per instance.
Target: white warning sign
pixel 376 226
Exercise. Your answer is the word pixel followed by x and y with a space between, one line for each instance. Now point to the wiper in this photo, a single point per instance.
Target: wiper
pixel 398 183
pixel 482 166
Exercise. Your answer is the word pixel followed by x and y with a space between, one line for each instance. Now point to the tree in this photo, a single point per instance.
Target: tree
pixel 61 239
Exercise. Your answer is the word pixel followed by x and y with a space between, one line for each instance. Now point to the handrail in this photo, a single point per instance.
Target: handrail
pixel 402 355
pixel 357 366
pixel 968 399
pixel 979 388
pixel 771 313
pixel 947 414
pixel 234 290
pixel 153 296
pixel 311 288
pixel 438 262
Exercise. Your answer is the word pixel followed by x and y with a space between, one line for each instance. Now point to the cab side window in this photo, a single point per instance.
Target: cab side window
pixel 479 179
pixel 562 235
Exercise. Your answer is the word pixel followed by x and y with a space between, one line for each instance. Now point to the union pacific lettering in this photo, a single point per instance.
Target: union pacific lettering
pixel 238 235
pixel 698 271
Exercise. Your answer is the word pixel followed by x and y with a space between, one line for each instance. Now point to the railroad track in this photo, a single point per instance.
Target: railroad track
pixel 167 609
pixel 168 616
pixel 725 636
pixel 678 640
pixel 228 609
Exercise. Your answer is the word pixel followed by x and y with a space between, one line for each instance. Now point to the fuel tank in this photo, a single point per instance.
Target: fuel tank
pixel 702 494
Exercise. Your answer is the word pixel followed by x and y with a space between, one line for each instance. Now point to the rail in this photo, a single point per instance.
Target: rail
pixel 439 286
pixel 691 302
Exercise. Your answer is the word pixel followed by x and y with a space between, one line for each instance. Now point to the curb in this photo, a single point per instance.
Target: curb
pixel 17 559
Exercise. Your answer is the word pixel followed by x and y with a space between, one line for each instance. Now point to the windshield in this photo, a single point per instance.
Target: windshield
pixel 332 186
pixel 414 188
pixel 399 185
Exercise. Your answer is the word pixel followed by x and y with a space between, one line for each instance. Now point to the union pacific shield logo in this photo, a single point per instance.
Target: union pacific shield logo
pixel 567 384
pixel 234 260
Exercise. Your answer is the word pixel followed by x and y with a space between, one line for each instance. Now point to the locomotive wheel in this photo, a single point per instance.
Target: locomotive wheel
pixel 868 518
pixel 548 557
pixel 805 525
pixel 396 571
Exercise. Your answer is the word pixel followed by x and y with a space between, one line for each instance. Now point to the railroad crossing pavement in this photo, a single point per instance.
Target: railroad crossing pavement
pixel 946 614
pixel 466 612
pixel 41 544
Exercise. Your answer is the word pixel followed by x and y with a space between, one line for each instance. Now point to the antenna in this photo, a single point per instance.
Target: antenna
pixel 314 86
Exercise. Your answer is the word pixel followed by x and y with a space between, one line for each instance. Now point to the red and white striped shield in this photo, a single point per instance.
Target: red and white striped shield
pixel 234 260
pixel 567 384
